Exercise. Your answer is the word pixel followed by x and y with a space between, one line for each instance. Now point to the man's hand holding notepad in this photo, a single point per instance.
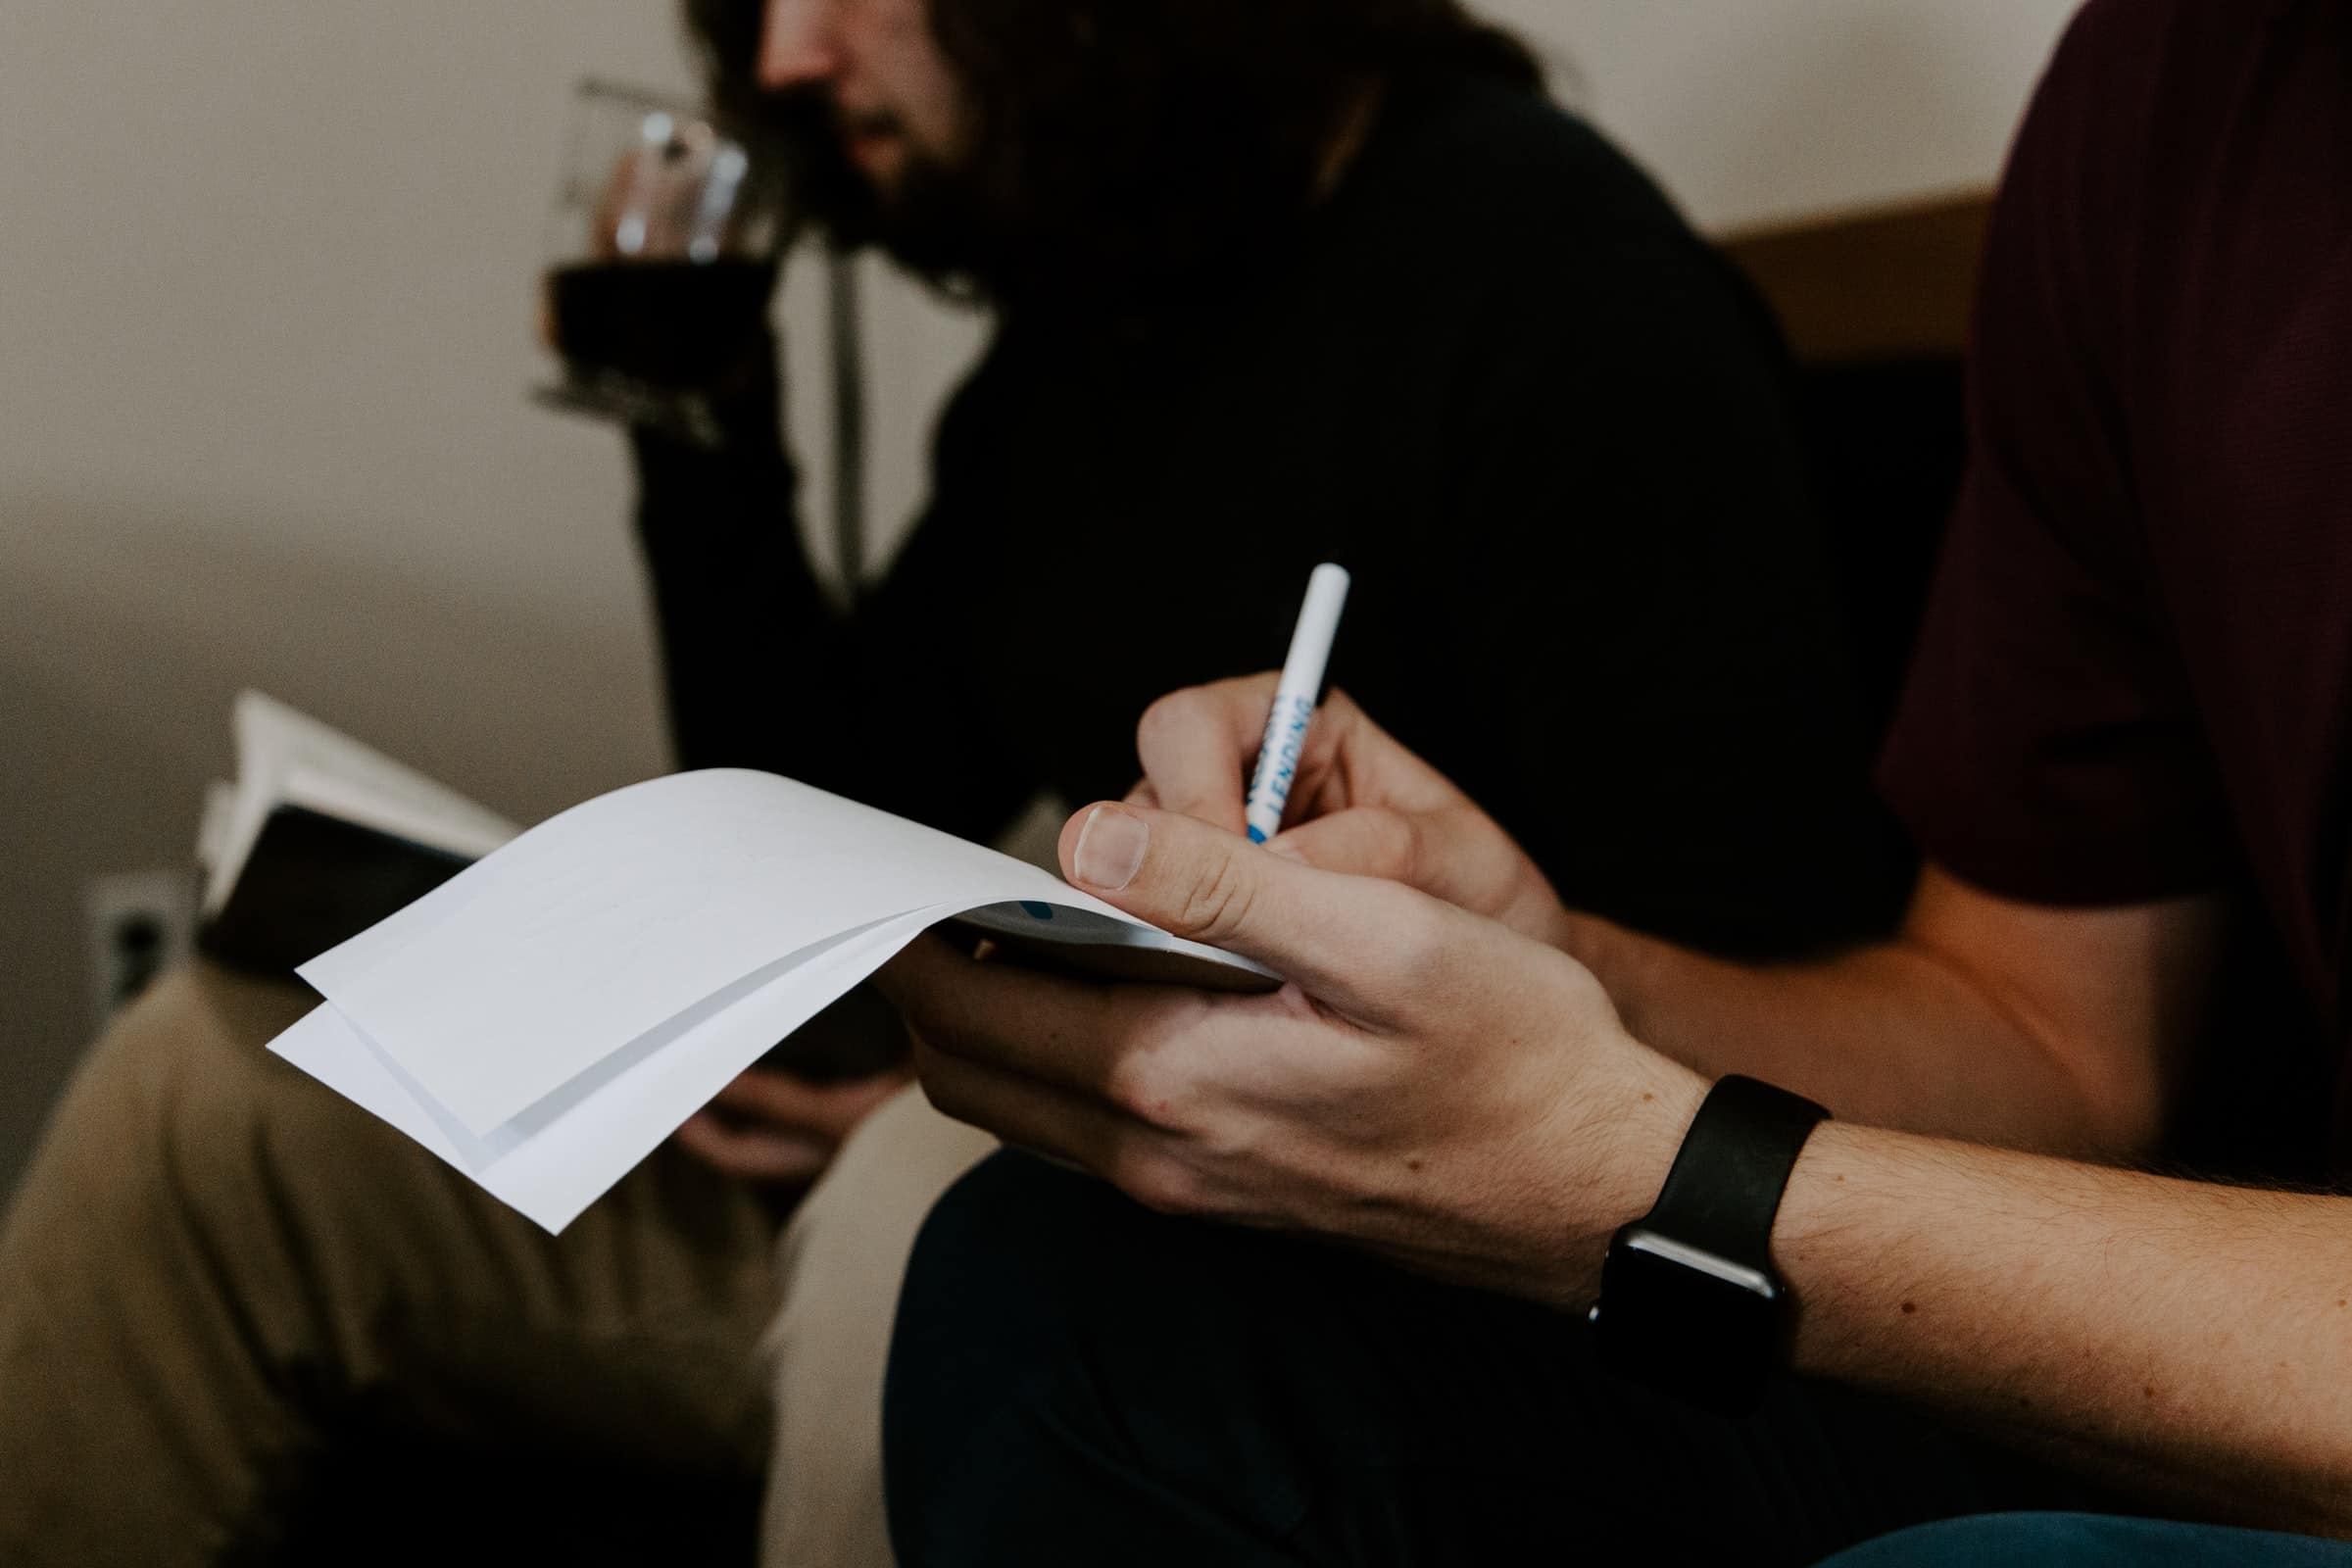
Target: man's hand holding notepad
pixel 546 1018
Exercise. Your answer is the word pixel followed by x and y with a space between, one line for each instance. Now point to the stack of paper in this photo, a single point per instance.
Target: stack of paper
pixel 543 1020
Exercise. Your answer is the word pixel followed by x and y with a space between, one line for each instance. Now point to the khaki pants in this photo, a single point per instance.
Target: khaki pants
pixel 218 1279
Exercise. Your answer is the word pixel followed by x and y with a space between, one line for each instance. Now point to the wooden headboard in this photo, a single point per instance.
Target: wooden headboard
pixel 1892 283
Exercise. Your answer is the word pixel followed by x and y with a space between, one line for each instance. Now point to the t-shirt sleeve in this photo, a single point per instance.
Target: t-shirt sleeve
pixel 2047 747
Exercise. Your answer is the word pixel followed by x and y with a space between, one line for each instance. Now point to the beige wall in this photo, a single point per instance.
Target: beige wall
pixel 266 272
pixel 1753 111
pixel 265 294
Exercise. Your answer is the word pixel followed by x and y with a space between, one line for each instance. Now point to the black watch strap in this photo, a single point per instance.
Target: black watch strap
pixel 1688 1300
pixel 1734 1166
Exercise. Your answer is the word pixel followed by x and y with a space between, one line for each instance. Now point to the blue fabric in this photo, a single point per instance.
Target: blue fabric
pixel 2087 1541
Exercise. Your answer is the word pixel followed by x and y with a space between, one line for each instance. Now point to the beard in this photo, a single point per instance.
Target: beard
pixel 1091 238
pixel 931 222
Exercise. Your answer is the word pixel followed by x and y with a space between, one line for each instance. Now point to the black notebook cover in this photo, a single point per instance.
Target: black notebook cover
pixel 313 881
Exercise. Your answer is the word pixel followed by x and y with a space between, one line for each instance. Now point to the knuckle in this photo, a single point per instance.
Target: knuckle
pixel 944 1087
pixel 1138 1084
pixel 1412 851
pixel 1216 904
pixel 941 1090
pixel 1158 1181
pixel 1421 953
pixel 1393 845
pixel 1151 1084
pixel 1170 718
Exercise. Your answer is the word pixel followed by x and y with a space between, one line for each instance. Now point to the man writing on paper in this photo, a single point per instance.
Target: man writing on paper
pixel 2123 744
pixel 1276 281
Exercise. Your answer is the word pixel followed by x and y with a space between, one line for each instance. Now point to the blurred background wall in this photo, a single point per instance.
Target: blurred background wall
pixel 267 274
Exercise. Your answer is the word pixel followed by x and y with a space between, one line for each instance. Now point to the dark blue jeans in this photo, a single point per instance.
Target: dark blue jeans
pixel 2087 1541
pixel 1075 1379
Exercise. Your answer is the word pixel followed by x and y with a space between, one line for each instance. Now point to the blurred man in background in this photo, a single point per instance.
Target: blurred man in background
pixel 1275 281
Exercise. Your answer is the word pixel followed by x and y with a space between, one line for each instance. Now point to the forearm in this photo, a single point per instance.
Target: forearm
pixel 2192 1339
pixel 735 600
pixel 763 670
pixel 1889 1034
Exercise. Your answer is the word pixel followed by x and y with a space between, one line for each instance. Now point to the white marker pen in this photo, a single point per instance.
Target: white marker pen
pixel 1294 701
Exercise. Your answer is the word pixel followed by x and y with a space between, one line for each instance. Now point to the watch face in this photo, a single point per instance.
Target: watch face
pixel 1684 1319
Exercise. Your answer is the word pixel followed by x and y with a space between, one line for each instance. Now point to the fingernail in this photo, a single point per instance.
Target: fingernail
pixel 1286 849
pixel 1111 848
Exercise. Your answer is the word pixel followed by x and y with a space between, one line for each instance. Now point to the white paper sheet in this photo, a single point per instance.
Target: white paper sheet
pixel 544 1019
pixel 597 927
pixel 563 1154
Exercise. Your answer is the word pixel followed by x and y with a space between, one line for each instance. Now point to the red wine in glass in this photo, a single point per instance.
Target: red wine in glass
pixel 674 324
pixel 668 231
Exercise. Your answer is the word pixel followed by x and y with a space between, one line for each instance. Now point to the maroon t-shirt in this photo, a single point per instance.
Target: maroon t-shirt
pixel 2135 676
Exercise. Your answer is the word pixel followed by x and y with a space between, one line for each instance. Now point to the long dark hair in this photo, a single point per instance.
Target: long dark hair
pixel 1123 143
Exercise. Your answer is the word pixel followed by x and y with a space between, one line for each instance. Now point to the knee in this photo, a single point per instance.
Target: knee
pixel 171 1110
pixel 1021 1252
pixel 1069 1366
pixel 995 1270
pixel 1002 1296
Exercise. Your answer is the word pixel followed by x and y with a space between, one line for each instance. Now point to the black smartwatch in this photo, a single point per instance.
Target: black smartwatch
pixel 1689 1301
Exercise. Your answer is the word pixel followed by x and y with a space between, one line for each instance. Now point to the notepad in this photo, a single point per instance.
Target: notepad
pixel 321 837
pixel 543 1020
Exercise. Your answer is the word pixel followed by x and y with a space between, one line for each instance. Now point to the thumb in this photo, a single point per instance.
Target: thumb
pixel 1342 939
